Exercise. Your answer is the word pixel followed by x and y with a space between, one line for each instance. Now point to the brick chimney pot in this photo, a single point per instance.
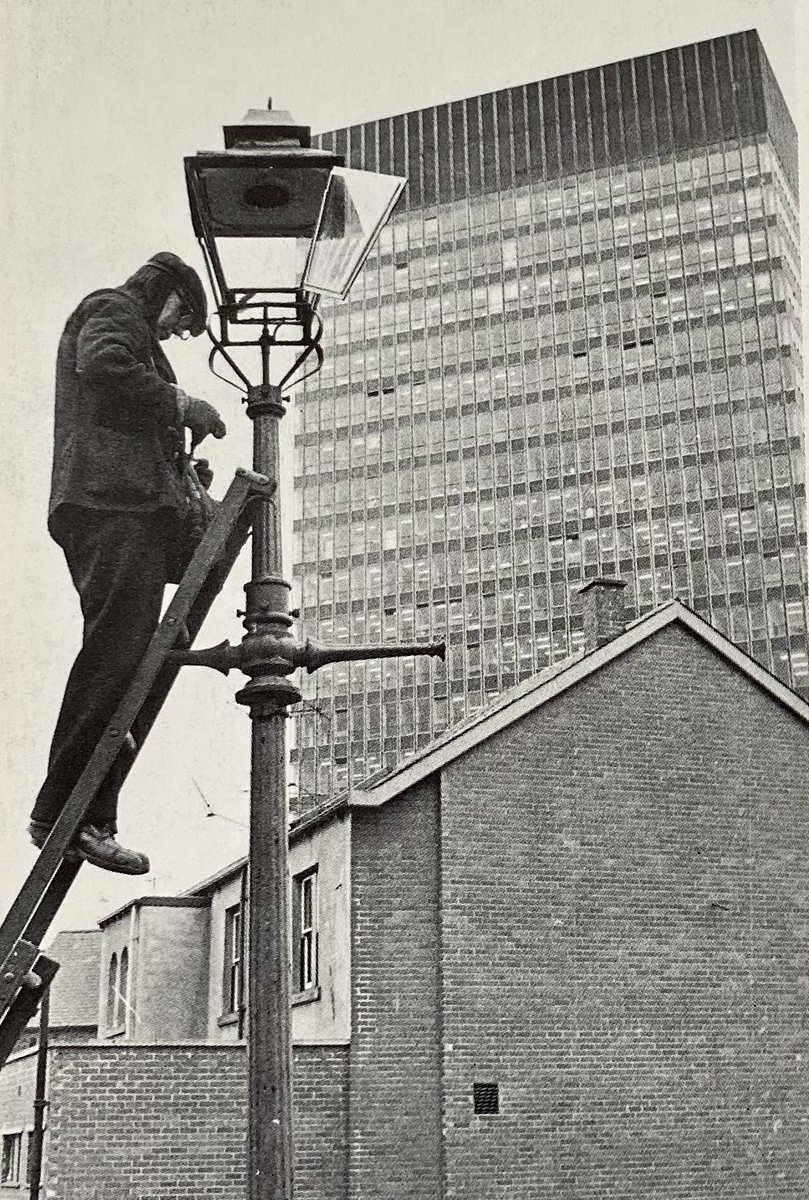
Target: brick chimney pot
pixel 604 611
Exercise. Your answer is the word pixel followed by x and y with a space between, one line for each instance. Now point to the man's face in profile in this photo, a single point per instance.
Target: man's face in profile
pixel 174 318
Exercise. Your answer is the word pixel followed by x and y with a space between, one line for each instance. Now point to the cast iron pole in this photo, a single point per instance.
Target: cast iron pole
pixel 268 693
pixel 40 1101
pixel 268 654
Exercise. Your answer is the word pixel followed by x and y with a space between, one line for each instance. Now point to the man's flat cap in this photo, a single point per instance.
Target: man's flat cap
pixel 188 285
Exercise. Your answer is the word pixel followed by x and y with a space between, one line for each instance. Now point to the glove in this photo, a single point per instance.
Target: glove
pixel 204 472
pixel 200 417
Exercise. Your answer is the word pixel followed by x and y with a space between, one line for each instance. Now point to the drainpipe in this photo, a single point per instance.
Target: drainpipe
pixel 40 1103
pixel 243 901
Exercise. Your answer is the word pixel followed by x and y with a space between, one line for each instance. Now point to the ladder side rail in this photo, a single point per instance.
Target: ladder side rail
pixel 51 900
pixel 103 756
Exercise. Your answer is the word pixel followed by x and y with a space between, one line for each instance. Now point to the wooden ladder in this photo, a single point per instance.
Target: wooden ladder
pixel 25 970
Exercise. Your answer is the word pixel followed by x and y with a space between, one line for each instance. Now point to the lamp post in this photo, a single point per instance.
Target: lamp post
pixel 268 187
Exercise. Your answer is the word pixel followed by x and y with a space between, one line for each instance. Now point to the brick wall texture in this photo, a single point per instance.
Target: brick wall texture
pixel 17 1085
pixel 159 1122
pixel 394 1065
pixel 603 909
pixel 17 1081
pixel 625 888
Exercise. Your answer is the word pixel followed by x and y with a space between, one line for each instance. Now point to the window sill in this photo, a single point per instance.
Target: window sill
pixel 311 994
pixel 118 1031
pixel 307 997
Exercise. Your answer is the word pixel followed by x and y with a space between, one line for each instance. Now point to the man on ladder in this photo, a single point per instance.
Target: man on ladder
pixel 117 509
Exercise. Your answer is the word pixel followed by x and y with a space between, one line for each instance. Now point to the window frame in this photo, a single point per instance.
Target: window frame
pixel 11 1162
pixel 112 992
pixel 233 962
pixel 122 990
pixel 305 930
pixel 117 1002
pixel 29 1154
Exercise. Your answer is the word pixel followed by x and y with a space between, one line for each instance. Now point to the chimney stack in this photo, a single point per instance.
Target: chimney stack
pixel 604 611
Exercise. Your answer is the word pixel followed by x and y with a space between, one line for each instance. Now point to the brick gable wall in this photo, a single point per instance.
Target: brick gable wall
pixel 394 1104
pixel 159 1122
pixel 625 898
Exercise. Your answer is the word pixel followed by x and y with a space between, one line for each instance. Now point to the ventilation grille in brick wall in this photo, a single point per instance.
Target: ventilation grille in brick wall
pixel 486 1098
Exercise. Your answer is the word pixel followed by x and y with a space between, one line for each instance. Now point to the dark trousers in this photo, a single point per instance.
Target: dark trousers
pixel 118 565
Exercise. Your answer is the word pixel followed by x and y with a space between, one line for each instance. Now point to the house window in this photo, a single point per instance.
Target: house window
pixel 232 982
pixel 29 1156
pixel 12 1151
pixel 112 992
pixel 121 999
pixel 304 913
pixel 117 986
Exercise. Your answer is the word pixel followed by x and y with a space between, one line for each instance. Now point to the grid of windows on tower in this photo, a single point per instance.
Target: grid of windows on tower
pixel 596 375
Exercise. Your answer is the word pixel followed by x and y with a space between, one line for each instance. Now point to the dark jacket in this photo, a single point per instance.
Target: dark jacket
pixel 115 437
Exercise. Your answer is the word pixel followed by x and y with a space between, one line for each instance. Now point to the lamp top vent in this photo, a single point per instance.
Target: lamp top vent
pixel 262 127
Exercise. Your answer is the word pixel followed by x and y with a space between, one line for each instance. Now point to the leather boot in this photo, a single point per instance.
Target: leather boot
pixel 98 846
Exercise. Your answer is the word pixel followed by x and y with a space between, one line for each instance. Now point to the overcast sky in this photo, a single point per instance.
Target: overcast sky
pixel 100 103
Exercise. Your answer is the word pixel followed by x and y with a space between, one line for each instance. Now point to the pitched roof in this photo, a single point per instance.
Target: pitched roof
pixel 510 706
pixel 74 991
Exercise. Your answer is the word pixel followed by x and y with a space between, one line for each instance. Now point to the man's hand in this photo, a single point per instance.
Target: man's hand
pixel 202 419
pixel 204 472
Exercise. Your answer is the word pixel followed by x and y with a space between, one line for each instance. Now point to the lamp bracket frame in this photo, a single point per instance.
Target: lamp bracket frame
pixel 267 318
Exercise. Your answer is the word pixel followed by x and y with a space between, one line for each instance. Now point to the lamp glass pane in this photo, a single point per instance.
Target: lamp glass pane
pixel 355 207
pixel 255 264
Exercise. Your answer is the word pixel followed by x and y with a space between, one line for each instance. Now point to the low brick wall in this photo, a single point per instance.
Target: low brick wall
pixel 169 1123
